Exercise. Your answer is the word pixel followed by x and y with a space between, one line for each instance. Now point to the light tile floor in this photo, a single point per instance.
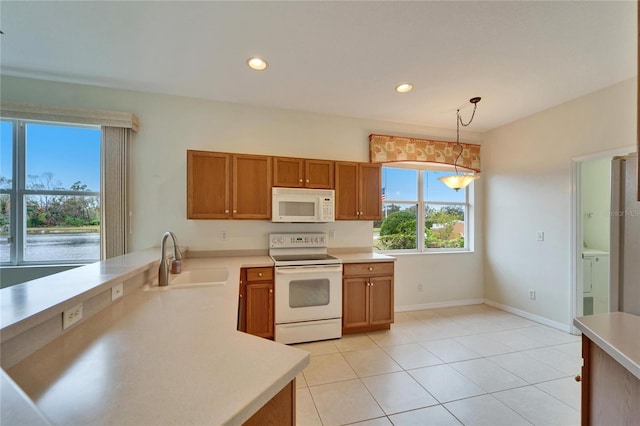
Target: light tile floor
pixel 470 365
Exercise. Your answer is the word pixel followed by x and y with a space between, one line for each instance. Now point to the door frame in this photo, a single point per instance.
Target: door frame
pixel 577 236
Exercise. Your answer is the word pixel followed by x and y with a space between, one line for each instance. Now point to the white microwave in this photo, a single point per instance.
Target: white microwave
pixel 302 205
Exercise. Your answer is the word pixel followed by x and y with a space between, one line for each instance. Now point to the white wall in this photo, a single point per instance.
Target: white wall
pixel 595 183
pixel 528 184
pixel 170 125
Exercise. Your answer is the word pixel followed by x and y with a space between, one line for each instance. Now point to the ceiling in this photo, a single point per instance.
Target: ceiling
pixel 343 58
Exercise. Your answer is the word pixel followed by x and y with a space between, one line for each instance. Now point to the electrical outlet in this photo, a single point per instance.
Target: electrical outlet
pixel 540 235
pixel 420 287
pixel 224 235
pixel 532 294
pixel 71 316
pixel 117 291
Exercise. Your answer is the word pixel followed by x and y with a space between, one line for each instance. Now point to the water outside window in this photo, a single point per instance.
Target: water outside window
pixel 58 197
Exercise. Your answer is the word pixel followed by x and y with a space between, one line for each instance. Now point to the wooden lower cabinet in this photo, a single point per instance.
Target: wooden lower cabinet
pixel 610 393
pixel 255 308
pixel 367 297
pixel 280 410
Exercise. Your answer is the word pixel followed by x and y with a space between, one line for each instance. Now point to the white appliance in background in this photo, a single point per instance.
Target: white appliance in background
pixel 308 288
pixel 302 205
pixel 595 273
pixel 625 236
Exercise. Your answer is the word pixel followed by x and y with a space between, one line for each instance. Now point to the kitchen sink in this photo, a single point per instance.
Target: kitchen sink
pixel 190 278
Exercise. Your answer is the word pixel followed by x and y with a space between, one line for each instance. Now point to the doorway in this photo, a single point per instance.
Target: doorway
pixel 595 201
pixel 591 203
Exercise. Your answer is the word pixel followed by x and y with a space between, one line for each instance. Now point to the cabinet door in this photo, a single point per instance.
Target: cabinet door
pixel 288 172
pixel 370 193
pixel 318 174
pixel 207 185
pixel 259 318
pixel 346 190
pixel 355 302
pixel 242 301
pixel 587 274
pixel 251 187
pixel 381 300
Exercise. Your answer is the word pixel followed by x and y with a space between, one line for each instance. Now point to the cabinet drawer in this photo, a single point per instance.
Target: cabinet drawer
pixel 374 268
pixel 259 274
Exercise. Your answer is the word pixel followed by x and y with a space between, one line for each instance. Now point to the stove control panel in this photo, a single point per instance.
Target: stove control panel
pixel 315 239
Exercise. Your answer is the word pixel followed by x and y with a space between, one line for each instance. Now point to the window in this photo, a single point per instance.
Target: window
pixel 419 213
pixel 49 193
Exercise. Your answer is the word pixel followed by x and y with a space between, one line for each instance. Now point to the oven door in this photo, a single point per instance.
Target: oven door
pixel 308 293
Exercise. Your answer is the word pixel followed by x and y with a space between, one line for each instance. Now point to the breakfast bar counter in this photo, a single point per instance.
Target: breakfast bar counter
pixel 611 368
pixel 161 357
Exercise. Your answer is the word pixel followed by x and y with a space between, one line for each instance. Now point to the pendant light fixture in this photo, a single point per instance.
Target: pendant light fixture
pixel 461 180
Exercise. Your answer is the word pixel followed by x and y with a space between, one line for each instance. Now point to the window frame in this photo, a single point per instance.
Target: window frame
pixel 19 192
pixel 421 204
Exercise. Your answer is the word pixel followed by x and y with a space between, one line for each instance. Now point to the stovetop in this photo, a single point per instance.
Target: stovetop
pixel 305 259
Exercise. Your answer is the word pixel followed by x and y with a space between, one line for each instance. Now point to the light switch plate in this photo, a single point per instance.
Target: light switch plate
pixel 540 235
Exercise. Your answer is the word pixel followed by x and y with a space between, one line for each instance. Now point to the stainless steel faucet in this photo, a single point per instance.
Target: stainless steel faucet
pixel 176 263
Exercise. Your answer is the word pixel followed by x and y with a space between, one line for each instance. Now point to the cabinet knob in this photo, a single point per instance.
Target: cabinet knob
pixel 235 211
pixel 371 284
pixel 226 211
pixel 300 181
pixel 270 290
pixel 259 274
pixel 371 268
pixel 578 378
pixel 240 296
pixel 307 180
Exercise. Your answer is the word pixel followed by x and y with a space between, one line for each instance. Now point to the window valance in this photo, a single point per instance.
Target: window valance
pixel 390 149
pixel 125 120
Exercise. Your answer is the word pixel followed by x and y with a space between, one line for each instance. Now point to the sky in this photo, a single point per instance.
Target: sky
pixel 401 185
pixel 70 154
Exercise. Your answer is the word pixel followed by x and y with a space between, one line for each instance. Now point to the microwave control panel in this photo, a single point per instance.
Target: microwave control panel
pixel 315 239
pixel 326 209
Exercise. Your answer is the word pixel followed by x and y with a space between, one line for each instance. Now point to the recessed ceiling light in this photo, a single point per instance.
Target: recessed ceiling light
pixel 404 87
pixel 257 64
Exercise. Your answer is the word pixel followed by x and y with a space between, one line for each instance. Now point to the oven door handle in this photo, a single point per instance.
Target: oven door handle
pixel 288 270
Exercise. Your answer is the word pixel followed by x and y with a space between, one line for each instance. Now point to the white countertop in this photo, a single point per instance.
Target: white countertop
pixel 594 252
pixel 161 357
pixel 618 334
pixel 362 256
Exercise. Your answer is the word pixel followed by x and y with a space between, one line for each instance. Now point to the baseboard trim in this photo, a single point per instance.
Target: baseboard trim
pixel 438 305
pixel 529 316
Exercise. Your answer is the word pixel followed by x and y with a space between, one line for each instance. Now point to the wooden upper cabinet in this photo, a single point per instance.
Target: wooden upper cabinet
pixel 208 185
pixel 251 186
pixel 302 173
pixel 358 191
pixel 318 174
pixel 347 206
pixel 370 191
pixel 228 186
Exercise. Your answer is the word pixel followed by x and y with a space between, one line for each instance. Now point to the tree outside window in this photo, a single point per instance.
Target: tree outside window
pixel 441 223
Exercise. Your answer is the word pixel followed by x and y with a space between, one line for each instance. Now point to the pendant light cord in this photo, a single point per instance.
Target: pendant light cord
pixel 458 123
